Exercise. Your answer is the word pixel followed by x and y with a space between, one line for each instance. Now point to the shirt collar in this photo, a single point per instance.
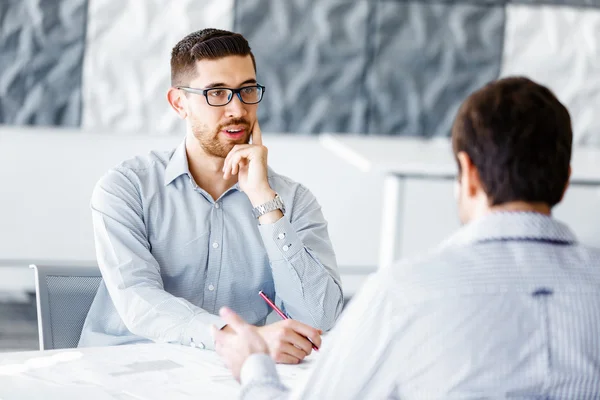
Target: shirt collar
pixel 506 226
pixel 178 164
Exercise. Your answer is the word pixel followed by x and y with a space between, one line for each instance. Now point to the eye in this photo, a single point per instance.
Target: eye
pixel 249 90
pixel 217 93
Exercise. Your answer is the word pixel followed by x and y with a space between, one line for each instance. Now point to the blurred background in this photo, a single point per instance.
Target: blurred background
pixel 83 87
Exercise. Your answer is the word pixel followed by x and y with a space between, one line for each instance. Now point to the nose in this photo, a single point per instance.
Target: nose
pixel 235 108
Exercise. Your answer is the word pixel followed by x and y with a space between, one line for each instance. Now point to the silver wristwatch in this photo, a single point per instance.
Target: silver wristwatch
pixel 271 205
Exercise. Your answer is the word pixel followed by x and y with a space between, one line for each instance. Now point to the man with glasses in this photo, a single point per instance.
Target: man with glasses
pixel 180 234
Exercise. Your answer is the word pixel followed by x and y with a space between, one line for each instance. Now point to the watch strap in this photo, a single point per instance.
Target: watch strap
pixel 271 205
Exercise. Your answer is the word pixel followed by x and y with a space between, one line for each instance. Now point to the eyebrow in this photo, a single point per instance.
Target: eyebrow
pixel 221 84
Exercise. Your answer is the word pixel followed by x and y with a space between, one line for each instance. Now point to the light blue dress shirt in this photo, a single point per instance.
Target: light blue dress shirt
pixel 170 256
pixel 509 307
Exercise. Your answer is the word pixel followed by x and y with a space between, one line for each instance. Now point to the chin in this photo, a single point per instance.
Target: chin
pixel 229 142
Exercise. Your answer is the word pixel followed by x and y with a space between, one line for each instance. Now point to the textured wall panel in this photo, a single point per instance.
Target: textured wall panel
pixel 428 58
pixel 582 3
pixel 126 69
pixel 559 47
pixel 41 51
pixel 311 56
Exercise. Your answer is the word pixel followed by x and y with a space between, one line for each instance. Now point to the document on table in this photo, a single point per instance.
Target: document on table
pixel 131 372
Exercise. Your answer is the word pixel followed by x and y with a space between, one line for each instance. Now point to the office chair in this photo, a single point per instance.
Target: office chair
pixel 64 295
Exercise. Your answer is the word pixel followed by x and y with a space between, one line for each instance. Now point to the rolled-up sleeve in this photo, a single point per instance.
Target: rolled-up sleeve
pixel 303 262
pixel 132 274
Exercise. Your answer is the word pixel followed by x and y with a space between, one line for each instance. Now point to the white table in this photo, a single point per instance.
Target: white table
pixel 131 372
pixel 400 158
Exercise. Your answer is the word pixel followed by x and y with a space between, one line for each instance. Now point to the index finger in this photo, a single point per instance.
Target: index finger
pixel 257 134
pixel 306 331
pixel 232 319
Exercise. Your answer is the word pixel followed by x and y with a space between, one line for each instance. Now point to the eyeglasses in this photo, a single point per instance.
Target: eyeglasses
pixel 218 97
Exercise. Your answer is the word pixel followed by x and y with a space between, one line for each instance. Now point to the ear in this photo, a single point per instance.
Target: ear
pixel 469 176
pixel 178 101
pixel 567 185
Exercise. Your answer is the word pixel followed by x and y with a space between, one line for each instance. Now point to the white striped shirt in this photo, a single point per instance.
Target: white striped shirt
pixel 508 307
pixel 171 256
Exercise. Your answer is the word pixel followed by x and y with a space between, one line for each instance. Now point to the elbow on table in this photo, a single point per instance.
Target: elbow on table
pixel 329 317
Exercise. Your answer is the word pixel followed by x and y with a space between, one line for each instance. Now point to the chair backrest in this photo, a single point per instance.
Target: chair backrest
pixel 64 295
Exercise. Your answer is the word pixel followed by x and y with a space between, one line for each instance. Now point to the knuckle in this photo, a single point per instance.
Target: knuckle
pixel 276 346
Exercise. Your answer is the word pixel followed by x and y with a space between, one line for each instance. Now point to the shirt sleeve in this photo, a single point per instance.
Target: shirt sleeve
pixel 132 274
pixel 303 263
pixel 259 379
pixel 356 360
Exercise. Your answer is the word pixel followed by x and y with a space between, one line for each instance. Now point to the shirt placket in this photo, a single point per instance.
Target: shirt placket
pixel 215 253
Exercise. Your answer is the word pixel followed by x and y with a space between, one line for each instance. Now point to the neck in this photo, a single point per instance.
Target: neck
pixel 522 206
pixel 207 169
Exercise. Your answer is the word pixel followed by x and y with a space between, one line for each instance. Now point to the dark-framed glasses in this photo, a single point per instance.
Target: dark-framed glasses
pixel 218 97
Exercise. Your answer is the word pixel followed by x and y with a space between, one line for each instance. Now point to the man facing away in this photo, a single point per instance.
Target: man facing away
pixel 180 234
pixel 508 307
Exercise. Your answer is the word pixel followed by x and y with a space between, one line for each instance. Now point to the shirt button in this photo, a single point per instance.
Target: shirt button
pixel 211 287
pixel 286 248
pixel 215 245
pixel 217 205
pixel 281 236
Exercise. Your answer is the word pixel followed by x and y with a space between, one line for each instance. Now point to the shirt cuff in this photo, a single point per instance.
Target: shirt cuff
pixel 280 239
pixel 198 334
pixel 258 367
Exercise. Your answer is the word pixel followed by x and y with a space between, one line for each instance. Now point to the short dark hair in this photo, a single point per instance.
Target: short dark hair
pixel 519 137
pixel 206 44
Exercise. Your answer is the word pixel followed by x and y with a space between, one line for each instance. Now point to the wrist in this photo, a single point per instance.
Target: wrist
pixel 261 196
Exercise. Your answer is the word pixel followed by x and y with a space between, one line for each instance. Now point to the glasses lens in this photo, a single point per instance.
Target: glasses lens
pixel 251 94
pixel 218 97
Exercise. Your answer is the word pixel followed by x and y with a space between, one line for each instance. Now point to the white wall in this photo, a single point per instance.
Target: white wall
pixel 430 214
pixel 47 177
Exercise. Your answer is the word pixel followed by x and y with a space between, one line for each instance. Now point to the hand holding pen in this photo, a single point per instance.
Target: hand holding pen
pixel 288 341
pixel 282 315
pixel 238 340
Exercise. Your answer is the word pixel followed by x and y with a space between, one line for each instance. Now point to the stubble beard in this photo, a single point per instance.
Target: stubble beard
pixel 212 142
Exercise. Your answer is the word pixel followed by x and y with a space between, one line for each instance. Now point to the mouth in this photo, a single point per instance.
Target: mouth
pixel 234 132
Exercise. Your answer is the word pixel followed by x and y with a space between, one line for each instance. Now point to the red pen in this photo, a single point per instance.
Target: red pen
pixel 281 314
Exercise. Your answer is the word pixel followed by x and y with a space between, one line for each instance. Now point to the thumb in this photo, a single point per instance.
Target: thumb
pixel 232 319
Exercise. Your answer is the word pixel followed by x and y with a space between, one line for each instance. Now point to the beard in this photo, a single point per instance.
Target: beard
pixel 215 144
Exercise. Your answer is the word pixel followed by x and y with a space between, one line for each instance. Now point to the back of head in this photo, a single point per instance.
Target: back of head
pixel 206 44
pixel 518 136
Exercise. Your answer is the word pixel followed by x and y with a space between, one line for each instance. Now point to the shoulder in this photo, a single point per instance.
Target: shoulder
pixel 433 273
pixel 137 170
pixel 132 180
pixel 290 190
